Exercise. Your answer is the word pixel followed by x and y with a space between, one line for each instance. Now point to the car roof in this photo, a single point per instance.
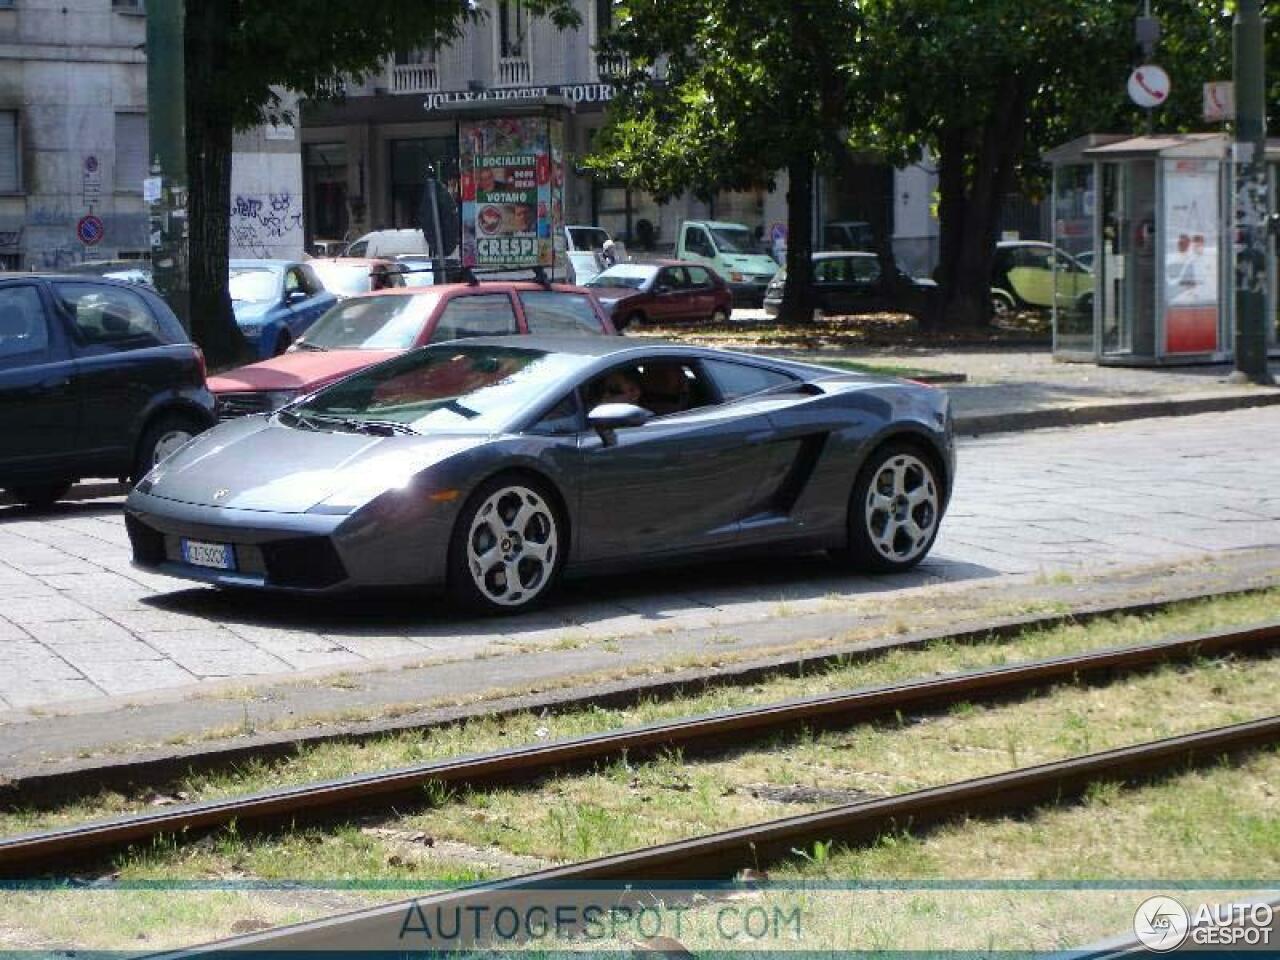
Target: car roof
pixel 490 286
pixel 1006 244
pixel 260 262
pixel 719 224
pixel 833 254
pixel 75 277
pixel 355 261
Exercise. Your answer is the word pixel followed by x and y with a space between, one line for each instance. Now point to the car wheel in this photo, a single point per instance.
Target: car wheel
pixel 282 343
pixel 719 315
pixel 39 496
pixel 635 322
pixel 161 439
pixel 895 509
pixel 1001 305
pixel 507 546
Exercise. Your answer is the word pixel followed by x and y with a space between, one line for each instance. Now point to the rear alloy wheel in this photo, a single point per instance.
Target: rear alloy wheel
pixel 164 437
pixel 506 549
pixel 895 510
pixel 719 315
pixel 39 496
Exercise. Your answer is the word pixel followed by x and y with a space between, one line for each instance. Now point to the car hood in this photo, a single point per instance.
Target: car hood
pixel 251 311
pixel 751 263
pixel 254 463
pixel 302 370
pixel 614 294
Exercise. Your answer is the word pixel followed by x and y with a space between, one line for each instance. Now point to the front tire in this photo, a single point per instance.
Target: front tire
pixel 507 547
pixel 38 496
pixel 1001 305
pixel 895 509
pixel 163 437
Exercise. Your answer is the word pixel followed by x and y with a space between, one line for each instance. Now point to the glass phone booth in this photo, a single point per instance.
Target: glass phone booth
pixel 1156 211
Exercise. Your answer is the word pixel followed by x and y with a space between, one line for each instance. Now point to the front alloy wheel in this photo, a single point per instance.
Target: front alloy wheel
pixel 894 514
pixel 511 550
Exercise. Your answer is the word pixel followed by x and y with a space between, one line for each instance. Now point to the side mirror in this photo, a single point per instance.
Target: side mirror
pixel 295 296
pixel 661 288
pixel 609 417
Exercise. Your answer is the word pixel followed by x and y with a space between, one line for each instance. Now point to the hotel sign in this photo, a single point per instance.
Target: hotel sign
pixel 576 93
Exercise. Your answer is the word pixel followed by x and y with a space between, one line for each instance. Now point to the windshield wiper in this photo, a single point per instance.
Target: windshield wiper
pixel 381 428
pixel 299 419
pixel 304 345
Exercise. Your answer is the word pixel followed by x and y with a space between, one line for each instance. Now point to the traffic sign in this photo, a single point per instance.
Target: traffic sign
pixel 90 229
pixel 1149 86
pixel 1219 101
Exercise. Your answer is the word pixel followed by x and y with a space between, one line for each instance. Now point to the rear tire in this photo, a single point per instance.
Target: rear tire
pixel 719 315
pixel 39 496
pixel 1001 305
pixel 160 439
pixel 895 509
pixel 635 322
pixel 508 546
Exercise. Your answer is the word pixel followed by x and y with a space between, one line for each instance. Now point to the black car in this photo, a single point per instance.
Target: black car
pixel 852 282
pixel 97 379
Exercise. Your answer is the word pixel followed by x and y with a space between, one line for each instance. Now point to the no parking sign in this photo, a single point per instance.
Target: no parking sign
pixel 90 229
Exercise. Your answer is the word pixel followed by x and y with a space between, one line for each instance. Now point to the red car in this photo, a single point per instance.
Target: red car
pixel 661 292
pixel 367 328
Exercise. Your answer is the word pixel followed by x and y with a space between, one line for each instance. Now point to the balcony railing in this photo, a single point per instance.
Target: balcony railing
pixel 514 72
pixel 414 78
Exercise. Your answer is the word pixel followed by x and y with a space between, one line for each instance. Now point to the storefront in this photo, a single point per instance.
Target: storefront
pixel 1154 214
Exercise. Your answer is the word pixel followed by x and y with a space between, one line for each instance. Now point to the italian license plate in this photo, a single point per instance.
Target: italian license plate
pixel 220 556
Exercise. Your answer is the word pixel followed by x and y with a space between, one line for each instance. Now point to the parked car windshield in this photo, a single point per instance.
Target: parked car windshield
pixel 254 285
pixel 346 279
pixel 446 388
pixel 371 323
pixel 632 275
pixel 587 238
pixel 736 240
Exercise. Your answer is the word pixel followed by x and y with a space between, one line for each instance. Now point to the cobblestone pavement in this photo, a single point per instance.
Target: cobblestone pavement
pixel 77 622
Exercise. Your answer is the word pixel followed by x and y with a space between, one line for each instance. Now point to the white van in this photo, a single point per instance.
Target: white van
pixel 388 243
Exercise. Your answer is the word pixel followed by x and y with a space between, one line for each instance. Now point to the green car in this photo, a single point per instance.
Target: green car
pixel 1022 277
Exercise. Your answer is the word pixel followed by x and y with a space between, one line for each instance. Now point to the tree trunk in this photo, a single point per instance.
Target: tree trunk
pixel 971 217
pixel 797 296
pixel 209 142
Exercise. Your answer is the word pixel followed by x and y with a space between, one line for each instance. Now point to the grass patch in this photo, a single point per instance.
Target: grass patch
pixel 337 759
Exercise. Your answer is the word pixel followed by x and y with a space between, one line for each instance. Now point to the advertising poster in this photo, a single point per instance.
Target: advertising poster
pixel 511 173
pixel 1191 256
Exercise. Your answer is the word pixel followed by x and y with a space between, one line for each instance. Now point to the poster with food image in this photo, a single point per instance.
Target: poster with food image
pixel 507 191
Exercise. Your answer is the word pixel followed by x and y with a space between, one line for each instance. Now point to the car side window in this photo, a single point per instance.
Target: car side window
pixel 480 315
pixel 109 319
pixel 829 271
pixel 865 270
pixel 669 278
pixel 562 419
pixel 357 249
pixel 24 329
pixel 293 281
pixel 550 311
pixel 698 276
pixel 737 380
pixel 695 240
pixel 663 385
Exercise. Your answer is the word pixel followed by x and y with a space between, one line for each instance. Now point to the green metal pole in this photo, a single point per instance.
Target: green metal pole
pixel 1250 197
pixel 166 126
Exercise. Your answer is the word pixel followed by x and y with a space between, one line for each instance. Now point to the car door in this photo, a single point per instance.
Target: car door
pixel 680 483
pixel 702 300
pixel 39 406
pixel 317 302
pixel 124 357
pixel 669 291
pixel 698 246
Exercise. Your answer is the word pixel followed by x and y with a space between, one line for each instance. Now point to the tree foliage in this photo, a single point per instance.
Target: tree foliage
pixel 722 95
pixel 239 55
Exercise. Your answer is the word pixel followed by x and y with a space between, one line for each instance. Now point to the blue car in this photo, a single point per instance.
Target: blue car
pixel 275 301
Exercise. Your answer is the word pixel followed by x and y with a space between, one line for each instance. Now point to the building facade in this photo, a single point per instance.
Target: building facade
pixel 364 156
pixel 74 146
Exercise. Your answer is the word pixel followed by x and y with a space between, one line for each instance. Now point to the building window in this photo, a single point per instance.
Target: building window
pixel 128 6
pixel 512 26
pixel 10 181
pixel 325 191
pixel 409 162
pixel 131 151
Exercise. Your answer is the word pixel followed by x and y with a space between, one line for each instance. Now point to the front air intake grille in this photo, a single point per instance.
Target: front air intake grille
pixel 232 405
pixel 307 562
pixel 148 544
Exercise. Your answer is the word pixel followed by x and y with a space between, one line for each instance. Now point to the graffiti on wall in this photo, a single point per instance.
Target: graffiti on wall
pixel 263 223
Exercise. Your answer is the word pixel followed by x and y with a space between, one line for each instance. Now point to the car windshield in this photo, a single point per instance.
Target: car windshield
pixel 587 238
pixel 344 278
pixel 371 323
pixel 416 273
pixel 449 388
pixel 736 240
pixel 254 284
pixel 632 275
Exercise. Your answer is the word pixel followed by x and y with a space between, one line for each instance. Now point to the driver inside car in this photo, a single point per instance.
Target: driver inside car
pixel 618 387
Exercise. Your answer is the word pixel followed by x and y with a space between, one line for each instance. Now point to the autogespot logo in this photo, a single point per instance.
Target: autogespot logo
pixel 1161 924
